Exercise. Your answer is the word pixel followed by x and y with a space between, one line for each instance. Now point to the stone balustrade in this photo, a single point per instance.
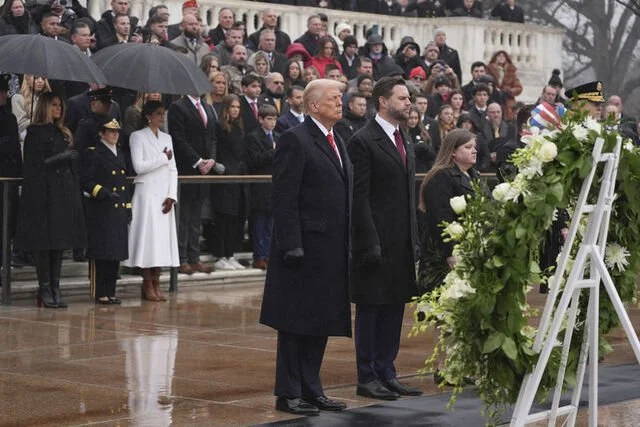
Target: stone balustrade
pixel 535 50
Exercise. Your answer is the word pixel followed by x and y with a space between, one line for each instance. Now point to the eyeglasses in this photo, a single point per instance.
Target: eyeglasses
pixel 418 78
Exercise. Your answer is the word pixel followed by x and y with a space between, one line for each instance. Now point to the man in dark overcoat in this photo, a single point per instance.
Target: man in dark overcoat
pixel 192 128
pixel 384 237
pixel 306 295
pixel 108 211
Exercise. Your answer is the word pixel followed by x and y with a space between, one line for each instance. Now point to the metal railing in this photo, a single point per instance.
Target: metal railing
pixel 7 183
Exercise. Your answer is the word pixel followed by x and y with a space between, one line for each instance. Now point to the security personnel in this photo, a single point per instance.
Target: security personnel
pixel 108 211
pixel 588 97
pixel 86 134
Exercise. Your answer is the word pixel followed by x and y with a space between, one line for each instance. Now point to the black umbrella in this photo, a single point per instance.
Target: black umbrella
pixel 47 57
pixel 151 68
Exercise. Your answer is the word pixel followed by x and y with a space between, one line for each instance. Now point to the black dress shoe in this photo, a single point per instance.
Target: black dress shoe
pixel 376 390
pixel 394 385
pixel 295 406
pixel 114 300
pixel 103 301
pixel 325 404
pixel 439 379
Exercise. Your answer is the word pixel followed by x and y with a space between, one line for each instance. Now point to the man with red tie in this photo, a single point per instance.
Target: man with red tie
pixel 384 235
pixel 306 296
pixel 251 88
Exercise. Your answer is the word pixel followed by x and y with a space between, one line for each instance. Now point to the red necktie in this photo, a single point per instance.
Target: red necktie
pixel 400 146
pixel 254 107
pixel 203 116
pixel 334 146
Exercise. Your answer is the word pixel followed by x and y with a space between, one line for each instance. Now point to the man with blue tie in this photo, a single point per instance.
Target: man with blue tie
pixel 306 297
pixel 384 235
pixel 295 113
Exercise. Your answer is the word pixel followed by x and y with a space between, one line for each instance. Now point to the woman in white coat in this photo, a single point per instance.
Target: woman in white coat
pixel 153 241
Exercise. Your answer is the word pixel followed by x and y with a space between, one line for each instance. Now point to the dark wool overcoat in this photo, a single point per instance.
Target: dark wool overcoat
pixel 50 214
pixel 311 210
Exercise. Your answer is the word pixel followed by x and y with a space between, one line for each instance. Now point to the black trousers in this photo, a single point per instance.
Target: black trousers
pixel 298 364
pixel 189 225
pixel 103 274
pixel 225 239
pixel 377 337
pixel 48 265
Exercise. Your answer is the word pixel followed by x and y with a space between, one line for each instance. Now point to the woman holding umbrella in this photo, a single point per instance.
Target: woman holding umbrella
pixel 51 217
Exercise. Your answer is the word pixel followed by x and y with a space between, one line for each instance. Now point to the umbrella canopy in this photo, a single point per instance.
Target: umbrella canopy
pixel 43 56
pixel 151 68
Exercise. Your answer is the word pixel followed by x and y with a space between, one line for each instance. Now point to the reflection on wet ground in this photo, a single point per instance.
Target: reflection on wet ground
pixel 200 359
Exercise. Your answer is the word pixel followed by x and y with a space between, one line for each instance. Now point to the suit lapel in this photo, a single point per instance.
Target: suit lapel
pixel 194 111
pixel 387 145
pixel 322 142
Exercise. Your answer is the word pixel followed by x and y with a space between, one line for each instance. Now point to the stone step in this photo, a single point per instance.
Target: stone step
pixel 75 281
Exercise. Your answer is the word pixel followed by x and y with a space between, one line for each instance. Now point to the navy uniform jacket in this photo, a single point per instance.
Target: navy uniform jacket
pixel 104 177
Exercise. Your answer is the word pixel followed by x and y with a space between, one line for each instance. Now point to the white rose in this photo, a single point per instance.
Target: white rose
pixel 548 152
pixel 454 230
pixel 505 192
pixel 628 146
pixel 458 204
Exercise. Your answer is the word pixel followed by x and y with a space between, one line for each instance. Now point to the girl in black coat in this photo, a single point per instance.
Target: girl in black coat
pixel 450 176
pixel 227 199
pixel 51 217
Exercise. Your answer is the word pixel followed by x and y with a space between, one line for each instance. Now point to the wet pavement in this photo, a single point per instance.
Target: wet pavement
pixel 199 359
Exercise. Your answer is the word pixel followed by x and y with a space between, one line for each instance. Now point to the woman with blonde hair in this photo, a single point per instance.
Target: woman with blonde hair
pixel 133 115
pixel 23 104
pixel 220 89
pixel 51 218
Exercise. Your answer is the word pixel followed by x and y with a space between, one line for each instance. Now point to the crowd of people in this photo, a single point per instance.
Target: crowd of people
pixel 342 128
pixel 505 10
pixel 258 81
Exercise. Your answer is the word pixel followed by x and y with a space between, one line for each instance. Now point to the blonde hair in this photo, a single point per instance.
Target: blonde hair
pixel 212 77
pixel 316 88
pixel 444 159
pixel 42 115
pixel 26 89
pixel 141 99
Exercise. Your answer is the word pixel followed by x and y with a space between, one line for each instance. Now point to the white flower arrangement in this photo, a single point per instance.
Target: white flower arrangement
pixel 456 287
pixel 505 192
pixel 580 132
pixel 593 124
pixel 616 256
pixel 454 230
pixel 548 151
pixel 458 204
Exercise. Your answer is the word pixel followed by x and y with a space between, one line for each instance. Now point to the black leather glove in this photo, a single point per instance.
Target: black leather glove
pixel 115 197
pixel 294 256
pixel 60 157
pixel 372 256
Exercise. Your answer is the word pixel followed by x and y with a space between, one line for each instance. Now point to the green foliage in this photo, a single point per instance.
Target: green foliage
pixel 481 308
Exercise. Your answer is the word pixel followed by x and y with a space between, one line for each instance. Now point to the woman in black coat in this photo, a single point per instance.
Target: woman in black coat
pixel 450 176
pixel 15 19
pixel 227 199
pixel 51 217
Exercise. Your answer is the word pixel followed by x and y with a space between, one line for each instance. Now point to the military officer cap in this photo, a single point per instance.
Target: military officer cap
pixel 111 124
pixel 102 94
pixel 591 92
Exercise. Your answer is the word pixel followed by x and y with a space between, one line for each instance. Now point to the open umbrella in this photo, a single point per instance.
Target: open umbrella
pixel 43 56
pixel 151 68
